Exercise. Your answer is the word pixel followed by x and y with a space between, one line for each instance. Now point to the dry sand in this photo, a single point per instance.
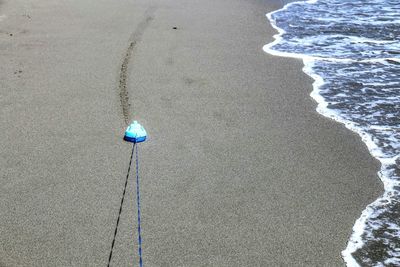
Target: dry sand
pixel 239 169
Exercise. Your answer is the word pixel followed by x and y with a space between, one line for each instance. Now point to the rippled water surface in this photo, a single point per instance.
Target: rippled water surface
pixel 352 50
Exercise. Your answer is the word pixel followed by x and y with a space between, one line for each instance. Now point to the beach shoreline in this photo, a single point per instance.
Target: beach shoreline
pixel 238 170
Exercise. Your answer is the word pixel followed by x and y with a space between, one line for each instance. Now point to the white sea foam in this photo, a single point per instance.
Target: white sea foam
pixel 351 50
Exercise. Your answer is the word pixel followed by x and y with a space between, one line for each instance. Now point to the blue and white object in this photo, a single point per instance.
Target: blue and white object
pixel 135 133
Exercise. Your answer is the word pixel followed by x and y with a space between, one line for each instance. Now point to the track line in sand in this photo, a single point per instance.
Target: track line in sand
pixel 125 102
pixel 134 39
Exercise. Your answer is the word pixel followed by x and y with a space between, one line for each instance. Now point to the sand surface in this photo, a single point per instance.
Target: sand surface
pixel 239 169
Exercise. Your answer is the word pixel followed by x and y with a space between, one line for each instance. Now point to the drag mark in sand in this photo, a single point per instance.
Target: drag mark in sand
pixel 134 39
pixel 123 76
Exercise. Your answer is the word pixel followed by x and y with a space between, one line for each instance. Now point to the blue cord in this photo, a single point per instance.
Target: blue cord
pixel 138 208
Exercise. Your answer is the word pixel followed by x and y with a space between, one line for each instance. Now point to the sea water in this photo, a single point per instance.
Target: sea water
pixel 352 50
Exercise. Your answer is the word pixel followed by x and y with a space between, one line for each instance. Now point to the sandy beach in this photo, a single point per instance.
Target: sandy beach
pixel 239 169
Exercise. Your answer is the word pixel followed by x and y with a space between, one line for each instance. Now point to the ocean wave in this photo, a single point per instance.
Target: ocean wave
pixel 352 51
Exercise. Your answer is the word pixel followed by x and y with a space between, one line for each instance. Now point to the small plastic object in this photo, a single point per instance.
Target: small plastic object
pixel 135 133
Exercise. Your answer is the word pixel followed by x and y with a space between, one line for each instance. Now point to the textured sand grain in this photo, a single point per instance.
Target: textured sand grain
pixel 239 169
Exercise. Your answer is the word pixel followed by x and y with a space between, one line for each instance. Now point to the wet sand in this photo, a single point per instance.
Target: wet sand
pixel 239 169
